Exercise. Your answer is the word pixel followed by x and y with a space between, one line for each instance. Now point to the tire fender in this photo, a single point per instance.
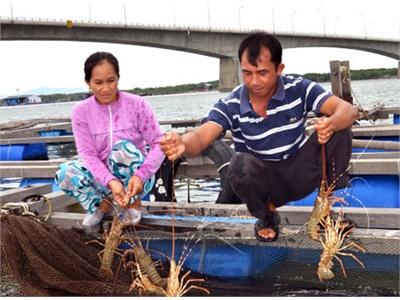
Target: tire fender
pixel 221 153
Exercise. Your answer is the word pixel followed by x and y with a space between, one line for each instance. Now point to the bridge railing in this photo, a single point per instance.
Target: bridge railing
pixel 188 28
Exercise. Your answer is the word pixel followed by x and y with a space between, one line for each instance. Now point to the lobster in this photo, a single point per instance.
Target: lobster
pixel 323 203
pixel 333 245
pixel 112 240
pixel 176 286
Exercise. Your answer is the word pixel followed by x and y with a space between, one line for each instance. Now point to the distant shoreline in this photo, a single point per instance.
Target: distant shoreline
pixel 210 86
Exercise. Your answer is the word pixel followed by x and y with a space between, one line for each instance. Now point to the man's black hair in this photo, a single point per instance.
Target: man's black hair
pixel 255 41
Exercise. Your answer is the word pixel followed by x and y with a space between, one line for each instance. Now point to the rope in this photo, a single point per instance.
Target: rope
pixel 24 205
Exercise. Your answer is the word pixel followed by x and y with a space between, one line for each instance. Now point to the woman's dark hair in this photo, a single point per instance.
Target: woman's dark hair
pixel 255 41
pixel 95 59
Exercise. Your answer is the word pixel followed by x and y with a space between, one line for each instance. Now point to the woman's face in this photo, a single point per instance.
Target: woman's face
pixel 104 82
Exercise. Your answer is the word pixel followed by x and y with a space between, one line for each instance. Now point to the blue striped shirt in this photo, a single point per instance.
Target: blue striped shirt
pixel 282 132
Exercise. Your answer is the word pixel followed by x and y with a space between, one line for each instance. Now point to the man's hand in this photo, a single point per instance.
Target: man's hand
pixel 118 191
pixel 135 186
pixel 325 129
pixel 172 145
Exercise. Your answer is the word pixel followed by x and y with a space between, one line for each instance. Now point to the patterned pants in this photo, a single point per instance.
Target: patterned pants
pixel 77 181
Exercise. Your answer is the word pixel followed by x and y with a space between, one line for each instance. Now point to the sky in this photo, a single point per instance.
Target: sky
pixel 28 65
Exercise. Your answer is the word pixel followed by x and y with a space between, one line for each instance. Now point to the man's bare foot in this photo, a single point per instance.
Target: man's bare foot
pixel 267 233
pixel 267 229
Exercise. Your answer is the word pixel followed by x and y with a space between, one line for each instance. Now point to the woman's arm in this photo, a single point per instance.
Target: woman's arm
pixel 152 134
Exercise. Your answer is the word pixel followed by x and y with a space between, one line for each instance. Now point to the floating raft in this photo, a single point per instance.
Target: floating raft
pixel 217 232
pixel 222 243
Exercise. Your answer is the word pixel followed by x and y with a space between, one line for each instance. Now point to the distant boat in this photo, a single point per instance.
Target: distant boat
pixel 22 100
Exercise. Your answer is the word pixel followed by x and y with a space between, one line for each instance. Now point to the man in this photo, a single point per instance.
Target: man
pixel 274 162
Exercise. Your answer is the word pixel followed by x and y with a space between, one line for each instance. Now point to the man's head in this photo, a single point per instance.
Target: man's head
pixel 253 44
pixel 260 57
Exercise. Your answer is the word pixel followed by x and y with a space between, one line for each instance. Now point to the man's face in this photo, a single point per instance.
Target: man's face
pixel 261 79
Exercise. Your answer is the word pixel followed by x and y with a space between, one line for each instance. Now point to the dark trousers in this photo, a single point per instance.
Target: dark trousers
pixel 163 187
pixel 258 182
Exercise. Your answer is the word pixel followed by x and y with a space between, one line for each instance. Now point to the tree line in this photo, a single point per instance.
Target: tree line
pixel 213 85
pixel 354 74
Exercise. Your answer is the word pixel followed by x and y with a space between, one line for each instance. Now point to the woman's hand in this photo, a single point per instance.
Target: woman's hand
pixel 135 186
pixel 118 191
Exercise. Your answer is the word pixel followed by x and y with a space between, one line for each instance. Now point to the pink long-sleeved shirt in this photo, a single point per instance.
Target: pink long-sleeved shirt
pixel 97 127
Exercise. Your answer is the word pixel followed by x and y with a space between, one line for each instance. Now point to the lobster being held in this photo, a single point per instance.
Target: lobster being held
pixel 112 240
pixel 321 209
pixel 323 203
pixel 333 245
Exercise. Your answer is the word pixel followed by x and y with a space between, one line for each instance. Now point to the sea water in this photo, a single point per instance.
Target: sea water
pixel 196 106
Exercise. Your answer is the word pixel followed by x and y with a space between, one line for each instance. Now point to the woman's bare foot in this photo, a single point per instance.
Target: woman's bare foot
pixel 105 205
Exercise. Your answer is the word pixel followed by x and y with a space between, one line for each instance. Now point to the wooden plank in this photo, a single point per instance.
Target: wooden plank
pixel 376 166
pixel 201 168
pixel 384 218
pixel 203 159
pixel 49 162
pixel 364 131
pixel 16 195
pixel 378 109
pixel 197 171
pixel 34 131
pixel 30 128
pixel 42 139
pixel 30 135
pixel 389 166
pixel 381 112
pixel 371 144
pixel 19 124
pixel 182 123
pixel 67 220
pixel 375 240
pixel 374 155
pixel 368 112
pixel 335 78
pixel 29 171
pixel 376 130
pixel 59 201
pixel 345 81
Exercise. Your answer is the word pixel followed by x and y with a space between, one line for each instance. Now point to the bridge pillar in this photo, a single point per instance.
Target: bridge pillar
pixel 229 74
pixel 398 69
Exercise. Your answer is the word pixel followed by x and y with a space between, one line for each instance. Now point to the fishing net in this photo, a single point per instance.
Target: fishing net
pixel 290 262
pixel 46 260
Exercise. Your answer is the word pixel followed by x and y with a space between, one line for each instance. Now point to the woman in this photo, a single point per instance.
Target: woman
pixel 111 130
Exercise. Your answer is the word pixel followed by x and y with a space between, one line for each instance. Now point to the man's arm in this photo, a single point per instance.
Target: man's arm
pixel 192 143
pixel 340 114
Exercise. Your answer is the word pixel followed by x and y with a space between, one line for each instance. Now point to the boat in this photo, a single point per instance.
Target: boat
pixel 22 100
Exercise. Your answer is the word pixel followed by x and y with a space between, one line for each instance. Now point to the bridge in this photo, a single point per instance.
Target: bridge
pixel 215 42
